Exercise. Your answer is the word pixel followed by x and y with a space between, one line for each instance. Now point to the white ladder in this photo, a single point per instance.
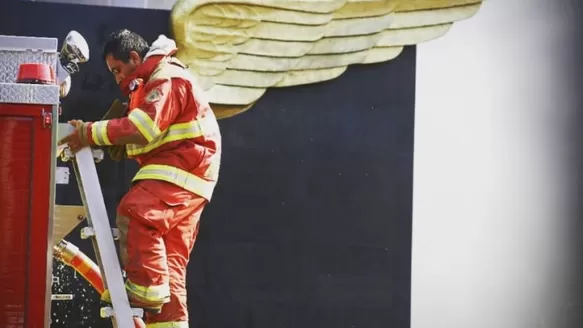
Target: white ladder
pixel 101 233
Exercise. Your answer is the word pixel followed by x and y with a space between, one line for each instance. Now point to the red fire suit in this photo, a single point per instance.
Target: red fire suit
pixel 179 160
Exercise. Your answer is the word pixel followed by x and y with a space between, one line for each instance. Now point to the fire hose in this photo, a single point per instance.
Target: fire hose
pixel 71 256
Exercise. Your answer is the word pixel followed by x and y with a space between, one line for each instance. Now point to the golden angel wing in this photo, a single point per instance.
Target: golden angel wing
pixel 239 48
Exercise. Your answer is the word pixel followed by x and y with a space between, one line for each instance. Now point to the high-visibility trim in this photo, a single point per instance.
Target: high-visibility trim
pixel 154 294
pixel 180 131
pixel 213 170
pixel 170 324
pixel 99 133
pixel 178 177
pixel 145 124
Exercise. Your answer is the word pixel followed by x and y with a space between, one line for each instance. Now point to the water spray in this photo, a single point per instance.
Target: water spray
pixel 73 257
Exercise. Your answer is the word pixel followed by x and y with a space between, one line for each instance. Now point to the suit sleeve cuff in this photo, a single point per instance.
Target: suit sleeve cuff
pixel 98 133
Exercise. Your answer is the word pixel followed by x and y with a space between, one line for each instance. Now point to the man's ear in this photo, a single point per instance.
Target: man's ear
pixel 135 57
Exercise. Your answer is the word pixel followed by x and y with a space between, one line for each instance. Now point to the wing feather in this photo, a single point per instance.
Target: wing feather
pixel 429 17
pixel 239 48
pixel 412 36
pixel 382 54
pixel 300 77
pixel 364 9
pixel 358 26
pixel 414 5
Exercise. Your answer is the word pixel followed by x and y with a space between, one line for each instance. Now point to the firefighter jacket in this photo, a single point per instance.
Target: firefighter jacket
pixel 181 137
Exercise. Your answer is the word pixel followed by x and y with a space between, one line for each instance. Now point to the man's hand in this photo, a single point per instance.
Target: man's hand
pixel 78 139
pixel 117 153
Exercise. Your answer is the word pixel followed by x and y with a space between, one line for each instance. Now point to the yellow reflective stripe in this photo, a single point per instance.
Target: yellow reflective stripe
pixel 170 324
pixel 175 132
pixel 178 177
pixel 144 124
pixel 150 293
pixel 99 133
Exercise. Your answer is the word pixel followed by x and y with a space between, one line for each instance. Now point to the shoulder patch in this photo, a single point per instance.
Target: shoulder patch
pixel 153 96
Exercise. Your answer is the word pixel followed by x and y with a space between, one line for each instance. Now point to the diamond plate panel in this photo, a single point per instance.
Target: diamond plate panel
pixel 11 60
pixel 29 93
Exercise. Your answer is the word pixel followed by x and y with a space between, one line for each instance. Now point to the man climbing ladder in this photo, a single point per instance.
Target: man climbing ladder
pixel 173 134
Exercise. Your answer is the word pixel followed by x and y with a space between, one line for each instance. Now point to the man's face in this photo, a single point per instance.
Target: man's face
pixel 120 69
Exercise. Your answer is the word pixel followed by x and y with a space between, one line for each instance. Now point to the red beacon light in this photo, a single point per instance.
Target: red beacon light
pixel 36 73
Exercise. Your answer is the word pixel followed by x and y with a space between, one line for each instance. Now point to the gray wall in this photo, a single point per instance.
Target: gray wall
pixel 495 236
pixel 149 4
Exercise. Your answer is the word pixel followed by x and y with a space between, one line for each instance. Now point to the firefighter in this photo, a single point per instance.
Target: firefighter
pixel 173 134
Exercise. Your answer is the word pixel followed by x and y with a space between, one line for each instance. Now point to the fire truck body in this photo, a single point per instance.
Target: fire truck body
pixel 27 186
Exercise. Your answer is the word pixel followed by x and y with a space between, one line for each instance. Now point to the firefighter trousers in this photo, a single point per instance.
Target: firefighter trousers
pixel 158 224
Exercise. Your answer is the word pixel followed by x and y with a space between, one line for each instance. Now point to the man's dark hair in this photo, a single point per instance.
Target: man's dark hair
pixel 121 43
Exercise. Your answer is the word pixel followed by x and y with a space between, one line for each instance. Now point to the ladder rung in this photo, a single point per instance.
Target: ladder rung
pixel 115 233
pixel 88 232
pixel 67 155
pixel 107 312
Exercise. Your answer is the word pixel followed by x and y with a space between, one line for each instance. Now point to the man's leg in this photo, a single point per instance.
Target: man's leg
pixel 179 241
pixel 141 220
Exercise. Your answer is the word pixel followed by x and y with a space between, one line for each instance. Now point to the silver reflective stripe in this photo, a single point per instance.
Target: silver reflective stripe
pixel 150 293
pixel 133 149
pixel 172 324
pixel 188 130
pixel 144 124
pixel 180 131
pixel 181 178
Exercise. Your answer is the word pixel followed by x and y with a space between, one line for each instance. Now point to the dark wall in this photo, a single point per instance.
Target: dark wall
pixel 311 221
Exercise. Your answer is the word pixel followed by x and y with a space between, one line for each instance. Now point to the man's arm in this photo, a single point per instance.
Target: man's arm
pixel 160 108
pixel 163 103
